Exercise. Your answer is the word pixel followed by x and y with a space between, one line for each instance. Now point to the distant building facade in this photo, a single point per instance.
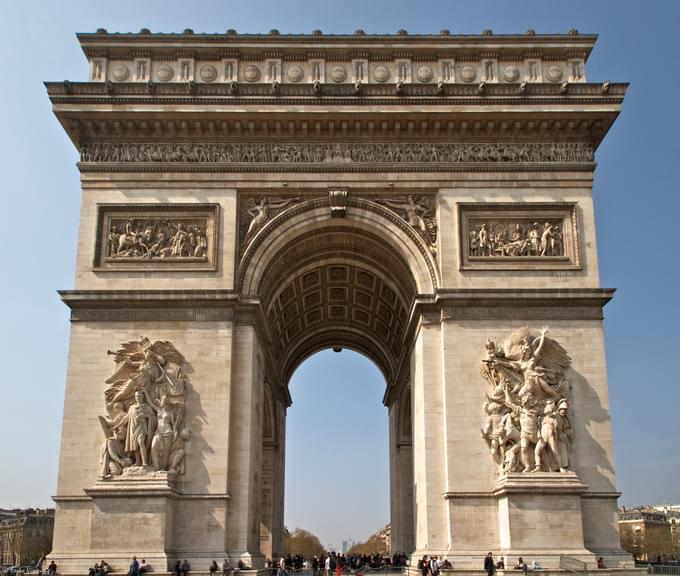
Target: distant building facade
pixel 25 535
pixel 651 533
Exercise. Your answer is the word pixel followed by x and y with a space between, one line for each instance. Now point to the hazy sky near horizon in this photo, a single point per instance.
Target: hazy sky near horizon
pixel 337 476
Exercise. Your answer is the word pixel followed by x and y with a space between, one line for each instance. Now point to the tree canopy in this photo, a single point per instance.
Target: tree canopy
pixel 301 542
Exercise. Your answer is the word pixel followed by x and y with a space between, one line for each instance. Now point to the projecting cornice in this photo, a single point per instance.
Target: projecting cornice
pixel 265 93
pixel 272 44
pixel 128 112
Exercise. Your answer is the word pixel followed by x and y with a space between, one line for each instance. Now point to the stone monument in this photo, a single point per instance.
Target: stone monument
pixel 248 200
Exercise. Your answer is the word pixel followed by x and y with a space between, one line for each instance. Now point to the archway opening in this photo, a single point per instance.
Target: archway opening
pixel 350 283
pixel 337 458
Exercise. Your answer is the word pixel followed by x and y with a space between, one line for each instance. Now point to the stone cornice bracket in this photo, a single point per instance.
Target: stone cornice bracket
pixel 150 305
pixel 337 198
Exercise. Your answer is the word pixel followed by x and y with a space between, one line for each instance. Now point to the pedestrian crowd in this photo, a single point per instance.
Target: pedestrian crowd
pixel 332 564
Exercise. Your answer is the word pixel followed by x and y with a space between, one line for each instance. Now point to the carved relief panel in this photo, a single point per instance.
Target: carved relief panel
pixel 519 236
pixel 526 425
pixel 145 423
pixel 146 237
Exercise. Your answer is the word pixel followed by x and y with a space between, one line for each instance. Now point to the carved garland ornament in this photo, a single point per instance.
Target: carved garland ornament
pixel 145 423
pixel 265 152
pixel 526 426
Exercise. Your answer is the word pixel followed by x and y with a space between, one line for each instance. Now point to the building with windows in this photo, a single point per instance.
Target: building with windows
pixel 647 533
pixel 25 535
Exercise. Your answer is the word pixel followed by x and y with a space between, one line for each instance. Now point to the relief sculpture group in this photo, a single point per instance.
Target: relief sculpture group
pixel 144 424
pixel 156 238
pixel 516 239
pixel 526 424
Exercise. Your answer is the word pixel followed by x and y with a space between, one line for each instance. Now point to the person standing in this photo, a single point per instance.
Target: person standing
pixel 424 567
pixel 489 565
pixel 434 566
pixel 282 568
pixel 133 570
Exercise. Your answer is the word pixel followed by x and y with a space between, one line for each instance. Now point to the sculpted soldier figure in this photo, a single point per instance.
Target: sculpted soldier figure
pixel 165 433
pixel 114 459
pixel 141 425
pixel 547 438
pixel 492 430
pixel 528 426
pixel 565 435
pixel 179 241
pixel 483 241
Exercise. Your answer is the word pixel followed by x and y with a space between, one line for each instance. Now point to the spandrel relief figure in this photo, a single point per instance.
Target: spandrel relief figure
pixel 419 215
pixel 145 404
pixel 526 426
pixel 260 212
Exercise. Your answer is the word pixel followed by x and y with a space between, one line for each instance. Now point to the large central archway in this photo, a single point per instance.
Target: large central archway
pixel 324 282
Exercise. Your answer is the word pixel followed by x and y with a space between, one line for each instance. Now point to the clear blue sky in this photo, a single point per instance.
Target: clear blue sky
pixel 637 203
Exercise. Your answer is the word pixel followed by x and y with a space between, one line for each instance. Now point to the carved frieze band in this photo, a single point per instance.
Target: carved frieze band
pixel 522 312
pixel 151 314
pixel 338 153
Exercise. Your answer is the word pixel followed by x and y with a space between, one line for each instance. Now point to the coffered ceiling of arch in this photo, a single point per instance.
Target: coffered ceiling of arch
pixel 337 303
pixel 337 285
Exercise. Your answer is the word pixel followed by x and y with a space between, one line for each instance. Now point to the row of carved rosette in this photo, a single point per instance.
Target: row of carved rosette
pixel 358 70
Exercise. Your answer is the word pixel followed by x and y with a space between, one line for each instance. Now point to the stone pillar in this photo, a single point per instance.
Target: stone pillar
pixel 278 492
pixel 428 435
pixel 401 479
pixel 267 498
pixel 245 454
pixel 272 479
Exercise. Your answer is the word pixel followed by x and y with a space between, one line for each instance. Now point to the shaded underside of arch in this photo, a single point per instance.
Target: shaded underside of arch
pixel 326 283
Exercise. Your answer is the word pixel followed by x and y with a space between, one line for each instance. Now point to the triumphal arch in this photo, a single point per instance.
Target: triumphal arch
pixel 250 199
